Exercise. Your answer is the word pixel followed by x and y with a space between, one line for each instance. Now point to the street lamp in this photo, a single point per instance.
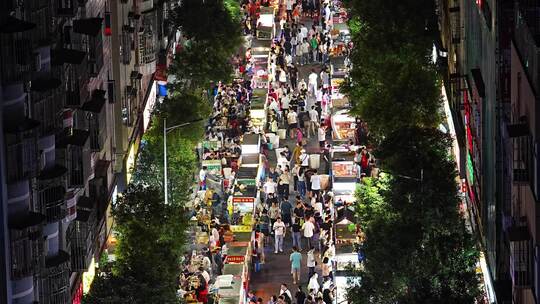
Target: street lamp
pixel 165 131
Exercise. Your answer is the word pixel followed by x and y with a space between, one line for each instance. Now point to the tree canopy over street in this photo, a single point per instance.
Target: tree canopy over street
pixel 151 234
pixel 418 249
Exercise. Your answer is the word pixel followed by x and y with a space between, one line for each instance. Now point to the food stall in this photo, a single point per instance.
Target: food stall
pixel 344 175
pixel 257 111
pixel 265 24
pixel 247 176
pixel 339 100
pixel 346 259
pixel 251 144
pixel 343 125
pixel 250 160
pixel 213 166
pixel 230 286
pixel 244 199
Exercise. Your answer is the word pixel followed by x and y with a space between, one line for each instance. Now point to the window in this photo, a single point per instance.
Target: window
pixel 95 55
pixel 125 48
pixel 147 43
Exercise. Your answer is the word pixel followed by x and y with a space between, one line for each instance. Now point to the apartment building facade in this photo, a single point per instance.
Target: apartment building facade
pixel 499 42
pixel 523 132
pixel 76 77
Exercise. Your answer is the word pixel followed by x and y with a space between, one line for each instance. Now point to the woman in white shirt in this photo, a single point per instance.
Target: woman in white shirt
pixel 315 185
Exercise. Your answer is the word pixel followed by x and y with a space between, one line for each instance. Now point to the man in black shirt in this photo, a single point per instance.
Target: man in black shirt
pixel 299 209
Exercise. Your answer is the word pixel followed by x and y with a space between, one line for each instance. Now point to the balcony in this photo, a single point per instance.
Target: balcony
pixel 75 167
pixel 95 104
pixel 81 237
pixel 95 55
pixel 521 256
pixel 55 279
pixel 26 245
pixel 97 132
pixel 527 39
pixel 88 26
pixel 51 202
pixel 21 159
pixel 71 137
pixel 455 22
pixel 69 56
pixel 523 159
pixel 14 25
pixel 66 8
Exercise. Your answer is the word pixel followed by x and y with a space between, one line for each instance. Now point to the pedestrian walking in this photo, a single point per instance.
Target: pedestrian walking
pixel 284 183
pixel 315 185
pixel 300 295
pixel 286 209
pixel 269 187
pixel 311 263
pixel 292 120
pixel 279 233
pixel 314 283
pixel 284 291
pixel 296 262
pixel 301 182
pixel 308 229
pixel 255 257
pixel 299 136
pixel 321 135
pixel 312 82
pixel 313 121
pixel 326 268
pixel 297 233
pixel 202 178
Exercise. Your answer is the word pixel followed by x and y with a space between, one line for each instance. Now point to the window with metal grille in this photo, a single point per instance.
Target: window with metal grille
pixel 521 262
pixel 147 43
pixel 95 55
pixel 125 48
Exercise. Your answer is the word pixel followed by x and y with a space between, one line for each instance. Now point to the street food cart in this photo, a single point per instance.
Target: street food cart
pixel 257 111
pixel 344 175
pixel 343 125
pixel 230 285
pixel 346 259
pixel 244 199
pixel 250 160
pixel 251 144
pixel 247 175
pixel 265 24
pixel 339 100
pixel 213 166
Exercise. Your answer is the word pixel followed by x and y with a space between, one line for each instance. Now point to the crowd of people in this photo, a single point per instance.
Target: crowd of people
pixel 297 199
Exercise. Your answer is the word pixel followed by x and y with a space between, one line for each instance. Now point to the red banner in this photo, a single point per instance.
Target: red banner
pixel 243 200
pixel 235 259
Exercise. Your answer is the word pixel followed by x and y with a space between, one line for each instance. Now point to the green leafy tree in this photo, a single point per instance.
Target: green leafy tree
pixel 400 93
pixel 199 64
pixel 151 237
pixel 211 21
pixel 418 249
pixel 181 165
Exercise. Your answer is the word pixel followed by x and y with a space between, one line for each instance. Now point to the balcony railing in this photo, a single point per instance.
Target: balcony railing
pixel 521 256
pixel 527 40
pixel 55 280
pixel 75 167
pixel 66 8
pixel 52 203
pixel 21 159
pixel 81 236
pixel 26 250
